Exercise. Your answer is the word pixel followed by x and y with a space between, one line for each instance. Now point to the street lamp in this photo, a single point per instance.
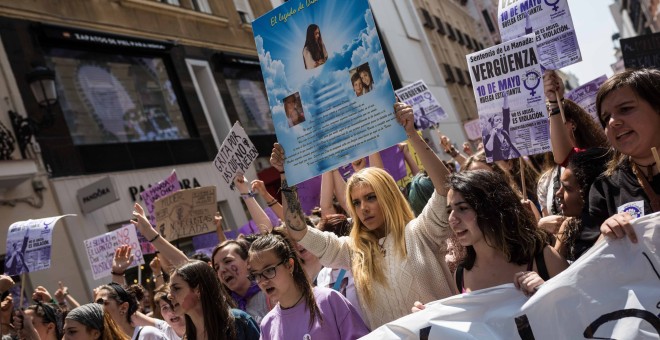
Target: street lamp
pixel 42 84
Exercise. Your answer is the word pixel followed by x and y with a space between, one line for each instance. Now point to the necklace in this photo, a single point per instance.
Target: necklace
pixel 301 296
pixel 381 246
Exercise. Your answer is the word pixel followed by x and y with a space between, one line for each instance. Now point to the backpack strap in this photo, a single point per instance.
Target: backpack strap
pixel 340 278
pixel 540 265
pixel 459 278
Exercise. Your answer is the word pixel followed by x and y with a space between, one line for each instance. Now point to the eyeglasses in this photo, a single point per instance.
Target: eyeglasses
pixel 267 273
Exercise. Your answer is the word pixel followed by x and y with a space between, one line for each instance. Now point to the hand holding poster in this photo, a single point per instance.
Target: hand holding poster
pixel 186 213
pixel 585 96
pixel 29 245
pixel 426 108
pixel 328 88
pixel 161 189
pixel 101 249
pixel 235 154
pixel 611 292
pixel 550 21
pixel 510 99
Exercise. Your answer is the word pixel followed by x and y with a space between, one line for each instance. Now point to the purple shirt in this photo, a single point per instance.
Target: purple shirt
pixel 340 320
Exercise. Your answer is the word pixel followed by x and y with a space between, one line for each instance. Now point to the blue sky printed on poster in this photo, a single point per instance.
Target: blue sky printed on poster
pixel 338 125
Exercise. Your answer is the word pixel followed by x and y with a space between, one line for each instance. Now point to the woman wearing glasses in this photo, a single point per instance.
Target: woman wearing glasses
pixel 308 313
pixel 196 292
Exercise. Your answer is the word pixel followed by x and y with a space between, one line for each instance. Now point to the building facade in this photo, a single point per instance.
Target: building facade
pixel 143 87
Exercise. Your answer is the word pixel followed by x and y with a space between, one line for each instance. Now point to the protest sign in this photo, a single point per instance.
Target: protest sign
pixel 186 213
pixel 161 189
pixel 473 129
pixel 611 292
pixel 29 245
pixel 641 51
pixel 550 21
pixel 309 194
pixel 101 249
pixel 328 87
pixel 235 154
pixel 508 89
pixel 426 108
pixel 585 96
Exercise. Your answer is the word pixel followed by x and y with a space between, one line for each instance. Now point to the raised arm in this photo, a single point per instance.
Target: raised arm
pixel 434 166
pixel 449 148
pixel 294 217
pixel 559 138
pixel 340 189
pixel 414 169
pixel 167 250
pixel 376 160
pixel 258 214
pixel 218 228
pixel 327 194
pixel 259 187
pixel 120 262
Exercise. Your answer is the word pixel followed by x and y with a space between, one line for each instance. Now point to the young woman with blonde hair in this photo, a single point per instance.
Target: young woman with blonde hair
pixel 394 257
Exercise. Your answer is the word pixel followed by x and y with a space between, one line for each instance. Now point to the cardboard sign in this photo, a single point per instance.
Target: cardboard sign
pixel 186 213
pixel 235 154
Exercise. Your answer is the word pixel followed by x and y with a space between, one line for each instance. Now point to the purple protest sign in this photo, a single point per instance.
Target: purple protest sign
pixel 309 194
pixel 160 189
pixel 393 162
pixel 427 110
pixel 585 95
pixel 249 228
pixel 274 220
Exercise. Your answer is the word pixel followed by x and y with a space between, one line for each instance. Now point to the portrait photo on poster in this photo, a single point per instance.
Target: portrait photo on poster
pixel 361 79
pixel 294 109
pixel 314 52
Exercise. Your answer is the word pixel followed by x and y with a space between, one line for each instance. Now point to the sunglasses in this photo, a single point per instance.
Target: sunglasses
pixel 267 273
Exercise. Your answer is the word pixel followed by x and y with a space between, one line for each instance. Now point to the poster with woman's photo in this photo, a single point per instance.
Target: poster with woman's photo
pixel 550 21
pixel 508 89
pixel 29 245
pixel 329 91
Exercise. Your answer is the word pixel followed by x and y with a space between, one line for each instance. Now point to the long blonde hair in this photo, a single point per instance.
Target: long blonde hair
pixel 396 214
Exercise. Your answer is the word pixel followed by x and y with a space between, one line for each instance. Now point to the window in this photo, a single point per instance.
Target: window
pixel 489 22
pixel 201 6
pixel 450 30
pixel 244 11
pixel 171 2
pixel 114 98
pixel 459 74
pixel 468 41
pixel 428 21
pixel 441 26
pixel 459 34
pixel 449 74
pixel 248 93
pixel 467 79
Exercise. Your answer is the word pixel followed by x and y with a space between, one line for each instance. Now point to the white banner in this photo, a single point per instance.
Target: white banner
pixel 426 108
pixel 611 292
pixel 235 154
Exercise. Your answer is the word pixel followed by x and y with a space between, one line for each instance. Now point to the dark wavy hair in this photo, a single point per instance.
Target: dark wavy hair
pixel 219 323
pixel 131 294
pixel 277 242
pixel 335 223
pixel 315 48
pixel 587 132
pixel 506 224
pixel 645 82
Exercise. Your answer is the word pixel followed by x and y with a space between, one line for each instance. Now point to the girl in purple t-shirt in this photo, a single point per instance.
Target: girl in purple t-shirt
pixel 308 313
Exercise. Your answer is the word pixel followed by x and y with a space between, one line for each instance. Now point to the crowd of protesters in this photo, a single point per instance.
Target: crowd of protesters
pixel 374 252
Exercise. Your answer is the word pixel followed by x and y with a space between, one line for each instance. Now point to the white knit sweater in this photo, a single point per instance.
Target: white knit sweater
pixel 422 276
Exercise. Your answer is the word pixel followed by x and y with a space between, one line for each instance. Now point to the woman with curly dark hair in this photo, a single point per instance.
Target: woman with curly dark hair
pixel 500 234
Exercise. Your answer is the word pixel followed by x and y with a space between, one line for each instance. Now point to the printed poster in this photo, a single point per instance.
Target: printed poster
pixel 426 108
pixel 550 21
pixel 585 96
pixel 508 89
pixel 329 91
pixel 186 213
pixel 101 249
pixel 235 154
pixel 473 129
pixel 29 245
pixel 611 292
pixel 161 189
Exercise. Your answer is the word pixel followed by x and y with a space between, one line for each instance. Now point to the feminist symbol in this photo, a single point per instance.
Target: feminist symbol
pixel 553 5
pixel 534 79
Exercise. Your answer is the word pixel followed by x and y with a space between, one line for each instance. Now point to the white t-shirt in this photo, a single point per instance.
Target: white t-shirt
pixel 169 332
pixel 148 333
